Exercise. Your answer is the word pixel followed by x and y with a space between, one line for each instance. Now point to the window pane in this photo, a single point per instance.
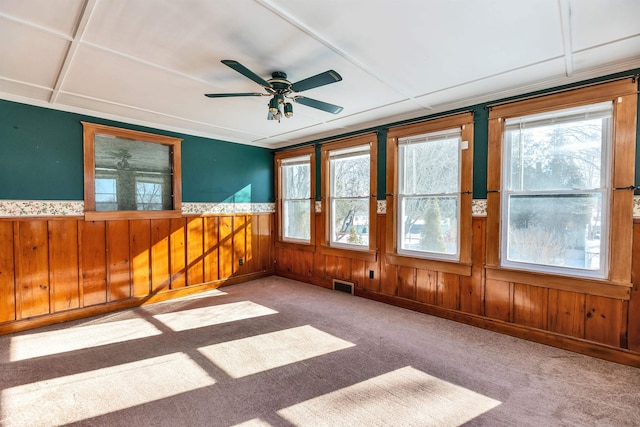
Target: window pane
pixel 563 230
pixel 430 167
pixel 350 221
pixel 557 156
pixel 430 224
pixel 296 181
pixel 296 216
pixel 141 172
pixel 350 176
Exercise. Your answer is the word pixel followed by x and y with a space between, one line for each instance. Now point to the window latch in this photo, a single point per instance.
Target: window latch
pixel 630 187
pixel 465 192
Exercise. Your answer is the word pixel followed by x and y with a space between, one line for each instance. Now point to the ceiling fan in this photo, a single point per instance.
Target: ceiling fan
pixel 281 90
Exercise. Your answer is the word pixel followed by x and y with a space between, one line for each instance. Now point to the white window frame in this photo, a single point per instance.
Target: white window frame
pixel 402 194
pixel 508 192
pixel 291 161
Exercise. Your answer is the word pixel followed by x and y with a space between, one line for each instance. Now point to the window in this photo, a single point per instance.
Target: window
pixel 349 206
pixel 130 174
pixel 555 201
pixel 555 189
pixel 429 194
pixel 295 187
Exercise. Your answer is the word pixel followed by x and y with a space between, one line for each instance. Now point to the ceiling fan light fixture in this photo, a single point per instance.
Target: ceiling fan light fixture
pixel 288 110
pixel 273 106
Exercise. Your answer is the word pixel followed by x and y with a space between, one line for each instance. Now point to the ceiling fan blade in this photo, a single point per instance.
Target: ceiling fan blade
pixel 245 72
pixel 314 103
pixel 229 95
pixel 318 80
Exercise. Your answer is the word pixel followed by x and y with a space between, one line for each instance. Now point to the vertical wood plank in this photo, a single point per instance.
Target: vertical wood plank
pixel 160 255
pixel 330 266
pixel 498 300
pixel 633 328
pixel 94 262
pixel 530 305
pixel 448 290
pixel 407 282
pixel 343 268
pixel 358 273
pixel 266 242
pixel 389 279
pixel 472 287
pixel 33 268
pixel 319 260
pixel 566 313
pixel 251 249
pixel 211 249
pixel 118 265
pixel 195 250
pixel 140 245
pixel 63 264
pixel 178 253
pixel 239 244
pixel 226 247
pixel 7 273
pixel 426 286
pixel 603 320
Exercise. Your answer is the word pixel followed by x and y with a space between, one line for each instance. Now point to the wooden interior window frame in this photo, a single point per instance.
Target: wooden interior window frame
pixel 366 254
pixel 89 132
pixel 278 158
pixel 624 96
pixel 462 266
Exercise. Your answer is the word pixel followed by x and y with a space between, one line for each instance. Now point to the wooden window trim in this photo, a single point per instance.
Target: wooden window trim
pixel 89 132
pixel 278 158
pixel 370 253
pixel 463 265
pixel 624 96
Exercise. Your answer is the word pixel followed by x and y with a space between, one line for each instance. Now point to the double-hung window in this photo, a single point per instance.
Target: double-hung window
pixel 560 189
pixel 429 182
pixel 349 181
pixel 295 185
pixel 429 194
pixel 556 190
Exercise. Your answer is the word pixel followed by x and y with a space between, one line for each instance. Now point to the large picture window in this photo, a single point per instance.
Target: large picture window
pixel 556 190
pixel 130 174
pixel 560 189
pixel 295 185
pixel 429 180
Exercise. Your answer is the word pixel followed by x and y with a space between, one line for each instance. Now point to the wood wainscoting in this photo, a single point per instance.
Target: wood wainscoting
pixel 600 326
pixel 64 268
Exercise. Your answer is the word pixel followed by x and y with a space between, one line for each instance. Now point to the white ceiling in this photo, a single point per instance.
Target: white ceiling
pixel 149 62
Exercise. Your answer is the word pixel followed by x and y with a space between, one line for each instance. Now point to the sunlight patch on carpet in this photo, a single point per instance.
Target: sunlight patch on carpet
pixel 212 315
pixel 39 344
pixel 406 396
pixel 90 394
pixel 248 356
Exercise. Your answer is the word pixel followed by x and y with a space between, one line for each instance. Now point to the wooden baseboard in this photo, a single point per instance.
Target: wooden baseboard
pixel 96 310
pixel 577 345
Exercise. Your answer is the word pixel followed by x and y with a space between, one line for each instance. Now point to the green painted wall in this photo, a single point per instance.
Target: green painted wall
pixel 41 158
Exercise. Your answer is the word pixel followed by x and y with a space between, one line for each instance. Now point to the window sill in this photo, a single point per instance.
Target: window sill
pixel 604 288
pixel 430 264
pixel 366 255
pixel 305 247
pixel 116 215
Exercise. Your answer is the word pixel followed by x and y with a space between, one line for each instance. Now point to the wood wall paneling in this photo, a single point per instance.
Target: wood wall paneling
pixel 633 333
pixel 64 264
pixel 226 247
pixel 448 290
pixel 195 250
pixel 140 244
pixel 604 320
pixel 118 261
pixel 178 253
pixel 530 306
pixel 160 255
pixel 211 250
pixel 94 262
pixel 498 299
pixel 7 273
pixel 472 287
pixel 239 244
pixel 566 313
pixel 407 282
pixel 32 272
pixel 427 286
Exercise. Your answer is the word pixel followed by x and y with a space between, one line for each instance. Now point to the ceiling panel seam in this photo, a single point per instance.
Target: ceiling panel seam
pixel 36 26
pixel 286 16
pixel 567 30
pixel 81 27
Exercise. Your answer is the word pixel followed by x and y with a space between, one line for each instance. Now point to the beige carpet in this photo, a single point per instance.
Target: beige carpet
pixel 275 352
